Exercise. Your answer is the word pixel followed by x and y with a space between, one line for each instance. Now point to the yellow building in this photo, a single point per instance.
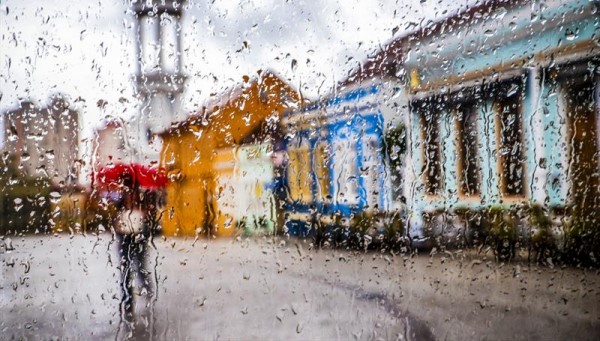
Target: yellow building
pixel 202 155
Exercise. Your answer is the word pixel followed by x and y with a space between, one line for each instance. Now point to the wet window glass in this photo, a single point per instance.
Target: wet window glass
pixel 509 116
pixel 467 146
pixel 432 149
pixel 321 170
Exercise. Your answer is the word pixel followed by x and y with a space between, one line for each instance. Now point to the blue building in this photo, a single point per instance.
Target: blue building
pixel 336 158
pixel 504 103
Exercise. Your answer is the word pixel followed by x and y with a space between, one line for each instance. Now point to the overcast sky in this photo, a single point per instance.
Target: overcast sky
pixel 84 49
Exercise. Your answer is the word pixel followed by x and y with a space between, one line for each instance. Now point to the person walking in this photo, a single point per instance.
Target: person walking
pixel 135 225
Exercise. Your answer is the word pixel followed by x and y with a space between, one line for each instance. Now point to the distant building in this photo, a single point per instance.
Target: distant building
pixel 43 142
pixel 219 159
pixel 39 167
pixel 244 175
pixel 109 145
pixel 338 155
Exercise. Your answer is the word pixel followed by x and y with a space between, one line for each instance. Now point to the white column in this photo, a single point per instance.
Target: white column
pixel 150 43
pixel 597 106
pixel 169 55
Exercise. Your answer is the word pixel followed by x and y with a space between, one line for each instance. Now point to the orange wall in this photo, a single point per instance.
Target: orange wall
pixel 190 151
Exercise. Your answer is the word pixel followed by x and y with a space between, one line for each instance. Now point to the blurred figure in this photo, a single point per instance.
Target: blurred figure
pixel 135 225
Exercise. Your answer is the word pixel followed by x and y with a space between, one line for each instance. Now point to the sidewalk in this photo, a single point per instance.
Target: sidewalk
pixel 257 289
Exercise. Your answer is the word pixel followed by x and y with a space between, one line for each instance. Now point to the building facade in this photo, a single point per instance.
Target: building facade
pixel 42 142
pixel 110 145
pixel 504 111
pixel 40 166
pixel 338 158
pixel 218 159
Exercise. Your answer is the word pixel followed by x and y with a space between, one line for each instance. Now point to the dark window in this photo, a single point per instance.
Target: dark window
pixel 395 142
pixel 468 165
pixel 432 149
pixel 510 138
pixel 581 118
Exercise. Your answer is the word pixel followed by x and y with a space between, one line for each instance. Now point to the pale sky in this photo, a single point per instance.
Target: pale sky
pixel 84 49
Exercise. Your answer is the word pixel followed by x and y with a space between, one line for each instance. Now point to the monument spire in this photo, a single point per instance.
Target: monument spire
pixel 159 80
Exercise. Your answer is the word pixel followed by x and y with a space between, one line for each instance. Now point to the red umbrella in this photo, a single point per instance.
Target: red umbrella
pixel 141 175
pixel 150 177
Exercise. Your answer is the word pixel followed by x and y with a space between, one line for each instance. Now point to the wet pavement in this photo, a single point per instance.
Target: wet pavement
pixel 282 289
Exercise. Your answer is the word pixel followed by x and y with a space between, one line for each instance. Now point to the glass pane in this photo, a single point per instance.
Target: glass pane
pixel 323 170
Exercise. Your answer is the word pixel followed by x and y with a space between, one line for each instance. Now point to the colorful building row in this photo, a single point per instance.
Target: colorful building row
pixel 40 168
pixel 500 105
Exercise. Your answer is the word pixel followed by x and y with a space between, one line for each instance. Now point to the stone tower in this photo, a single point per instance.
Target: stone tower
pixel 158 77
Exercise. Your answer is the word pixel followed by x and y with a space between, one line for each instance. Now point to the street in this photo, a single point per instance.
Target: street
pixel 67 288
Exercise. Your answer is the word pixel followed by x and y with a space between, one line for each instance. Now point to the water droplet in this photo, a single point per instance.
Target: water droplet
pixel 18 204
pixel 55 197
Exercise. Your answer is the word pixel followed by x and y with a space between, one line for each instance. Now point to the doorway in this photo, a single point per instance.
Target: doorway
pixel 581 105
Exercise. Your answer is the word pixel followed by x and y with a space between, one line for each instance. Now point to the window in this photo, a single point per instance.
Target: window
pixel 150 49
pixel 311 170
pixel 298 175
pixel 170 41
pixel 148 134
pixel 432 149
pixel 509 129
pixel 345 169
pixel 583 142
pixel 468 165
pixel 321 169
pixel 370 171
pixel 395 142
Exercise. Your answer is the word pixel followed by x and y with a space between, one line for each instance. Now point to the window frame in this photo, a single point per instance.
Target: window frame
pixel 300 182
pixel 460 124
pixel 422 109
pixel 499 93
pixel 321 167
